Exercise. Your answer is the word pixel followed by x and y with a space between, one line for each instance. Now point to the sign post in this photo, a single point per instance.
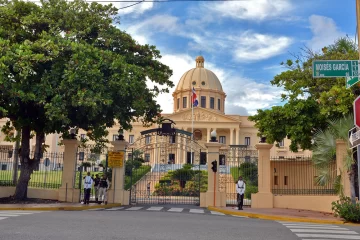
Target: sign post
pixel 115 159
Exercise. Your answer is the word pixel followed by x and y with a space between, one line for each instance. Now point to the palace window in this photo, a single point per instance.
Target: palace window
pixel 281 143
pixel 219 107
pixel 184 102
pixel 147 157
pixel 82 136
pixel 172 139
pixel 222 139
pixel 212 103
pixel 115 137
pixel 129 157
pixel 178 103
pixel 203 101
pixel 247 141
pixel 147 139
pixel 171 159
pixel 131 138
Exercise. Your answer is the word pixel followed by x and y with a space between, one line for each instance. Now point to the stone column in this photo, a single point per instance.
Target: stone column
pixel 207 199
pixel 67 191
pixel 116 193
pixel 264 198
pixel 208 131
pixel 341 152
pixel 237 136
pixel 231 142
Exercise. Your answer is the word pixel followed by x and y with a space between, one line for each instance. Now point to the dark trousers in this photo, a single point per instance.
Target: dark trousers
pixel 240 201
pixel 87 195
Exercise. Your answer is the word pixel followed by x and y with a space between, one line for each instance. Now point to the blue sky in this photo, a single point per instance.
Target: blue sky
pixel 242 42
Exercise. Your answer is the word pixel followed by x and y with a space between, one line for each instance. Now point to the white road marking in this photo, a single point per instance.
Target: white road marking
pixel 239 216
pixel 8 215
pixel 317 227
pixel 96 209
pixel 133 208
pixel 217 213
pixel 328 236
pixel 175 210
pixel 1 218
pixel 154 208
pixel 196 211
pixel 114 209
pixel 322 231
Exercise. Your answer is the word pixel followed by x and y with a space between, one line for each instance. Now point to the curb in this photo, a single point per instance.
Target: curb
pixel 63 208
pixel 280 218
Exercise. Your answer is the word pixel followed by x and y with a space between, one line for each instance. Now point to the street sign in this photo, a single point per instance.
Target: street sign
pixel 350 81
pixel 357 112
pixel 354 138
pixel 115 159
pixel 335 68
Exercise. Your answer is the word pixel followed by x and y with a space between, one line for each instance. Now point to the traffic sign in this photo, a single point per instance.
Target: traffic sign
pixel 354 137
pixel 357 112
pixel 115 159
pixel 350 81
pixel 335 68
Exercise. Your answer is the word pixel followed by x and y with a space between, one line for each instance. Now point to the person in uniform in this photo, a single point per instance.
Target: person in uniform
pixel 96 187
pixel 148 189
pixel 240 190
pixel 88 182
pixel 103 187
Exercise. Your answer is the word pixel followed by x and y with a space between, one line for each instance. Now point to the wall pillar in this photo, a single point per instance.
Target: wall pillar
pixel 208 131
pixel 341 152
pixel 231 142
pixel 264 198
pixel 67 191
pixel 237 136
pixel 213 194
pixel 116 193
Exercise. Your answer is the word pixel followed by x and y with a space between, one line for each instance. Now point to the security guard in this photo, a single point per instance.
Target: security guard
pixel 240 190
pixel 103 187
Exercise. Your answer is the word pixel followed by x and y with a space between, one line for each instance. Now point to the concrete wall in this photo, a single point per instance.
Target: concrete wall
pixel 52 194
pixel 314 203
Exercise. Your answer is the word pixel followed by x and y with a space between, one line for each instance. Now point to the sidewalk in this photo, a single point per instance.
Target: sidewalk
pixel 55 206
pixel 278 214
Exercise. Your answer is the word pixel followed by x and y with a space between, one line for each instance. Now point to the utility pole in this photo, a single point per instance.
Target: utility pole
pixel 358 39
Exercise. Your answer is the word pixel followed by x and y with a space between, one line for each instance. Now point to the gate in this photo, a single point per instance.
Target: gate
pixel 235 161
pixel 165 166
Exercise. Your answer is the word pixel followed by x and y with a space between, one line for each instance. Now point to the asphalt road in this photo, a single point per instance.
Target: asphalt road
pixel 150 225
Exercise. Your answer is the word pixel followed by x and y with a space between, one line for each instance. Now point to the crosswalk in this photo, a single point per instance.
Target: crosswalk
pixel 309 231
pixel 9 214
pixel 163 209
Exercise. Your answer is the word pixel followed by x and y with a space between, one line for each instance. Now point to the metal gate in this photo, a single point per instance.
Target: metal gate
pixel 165 166
pixel 235 161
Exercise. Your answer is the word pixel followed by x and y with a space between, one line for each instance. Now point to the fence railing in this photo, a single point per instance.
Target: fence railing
pixel 48 172
pixel 298 176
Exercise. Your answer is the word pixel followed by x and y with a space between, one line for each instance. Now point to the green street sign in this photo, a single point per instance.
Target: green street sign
pixel 335 68
pixel 350 81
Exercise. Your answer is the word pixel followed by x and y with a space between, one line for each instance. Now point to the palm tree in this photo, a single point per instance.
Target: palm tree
pixel 324 153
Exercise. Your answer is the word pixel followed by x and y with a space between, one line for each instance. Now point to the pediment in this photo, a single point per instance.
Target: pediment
pixel 201 115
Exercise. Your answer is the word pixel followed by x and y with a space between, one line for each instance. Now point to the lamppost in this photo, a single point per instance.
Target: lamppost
pixel 213 136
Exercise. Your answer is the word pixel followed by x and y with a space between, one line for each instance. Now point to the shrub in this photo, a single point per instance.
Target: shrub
pixel 249 190
pixel 347 210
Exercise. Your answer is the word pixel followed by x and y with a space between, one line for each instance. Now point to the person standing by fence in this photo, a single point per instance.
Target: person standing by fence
pixel 240 190
pixel 103 187
pixel 88 182
pixel 96 187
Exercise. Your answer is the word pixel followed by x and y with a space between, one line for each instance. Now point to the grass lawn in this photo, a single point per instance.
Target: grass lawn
pixel 137 175
pixel 39 179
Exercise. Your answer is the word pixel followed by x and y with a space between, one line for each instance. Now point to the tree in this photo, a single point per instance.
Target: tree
pixel 65 65
pixel 324 152
pixel 309 102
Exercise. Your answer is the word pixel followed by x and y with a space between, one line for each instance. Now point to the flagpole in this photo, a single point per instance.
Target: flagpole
pixel 192 126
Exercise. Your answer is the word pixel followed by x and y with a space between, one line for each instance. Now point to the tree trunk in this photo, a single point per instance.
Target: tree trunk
pixel 27 164
pixel 352 182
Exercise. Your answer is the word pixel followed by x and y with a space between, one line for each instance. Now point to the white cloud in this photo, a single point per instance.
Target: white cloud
pixel 257 10
pixel 256 46
pixel 324 31
pixel 155 24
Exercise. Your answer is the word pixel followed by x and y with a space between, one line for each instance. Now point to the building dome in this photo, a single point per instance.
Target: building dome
pixel 207 86
pixel 199 77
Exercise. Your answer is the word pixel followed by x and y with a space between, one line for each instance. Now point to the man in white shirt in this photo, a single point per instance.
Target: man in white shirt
pixel 88 182
pixel 240 190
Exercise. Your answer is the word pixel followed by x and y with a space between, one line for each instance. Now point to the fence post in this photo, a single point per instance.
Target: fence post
pixel 264 197
pixel 341 152
pixel 117 194
pixel 69 170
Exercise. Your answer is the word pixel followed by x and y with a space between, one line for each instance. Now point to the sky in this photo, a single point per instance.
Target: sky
pixel 243 42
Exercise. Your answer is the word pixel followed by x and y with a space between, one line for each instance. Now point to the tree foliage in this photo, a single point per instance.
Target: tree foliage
pixel 309 102
pixel 66 64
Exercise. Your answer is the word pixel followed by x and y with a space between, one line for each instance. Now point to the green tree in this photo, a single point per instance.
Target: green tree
pixel 310 102
pixel 324 153
pixel 66 64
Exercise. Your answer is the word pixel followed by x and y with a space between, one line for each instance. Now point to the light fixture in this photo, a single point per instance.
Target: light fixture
pixel 121 135
pixel 213 136
pixel 72 133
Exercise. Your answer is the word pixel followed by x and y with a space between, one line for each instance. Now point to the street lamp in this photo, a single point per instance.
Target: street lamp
pixel 72 133
pixel 121 135
pixel 213 136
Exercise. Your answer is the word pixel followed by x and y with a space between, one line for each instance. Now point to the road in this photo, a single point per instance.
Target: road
pixel 153 224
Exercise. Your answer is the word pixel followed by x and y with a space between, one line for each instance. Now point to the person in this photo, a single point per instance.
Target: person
pixel 103 187
pixel 148 189
pixel 96 187
pixel 88 182
pixel 240 190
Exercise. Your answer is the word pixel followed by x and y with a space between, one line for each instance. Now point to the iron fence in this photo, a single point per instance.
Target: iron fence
pixel 47 174
pixel 299 176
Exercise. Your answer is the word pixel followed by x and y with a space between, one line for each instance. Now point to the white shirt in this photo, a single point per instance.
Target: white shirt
pixel 240 187
pixel 88 181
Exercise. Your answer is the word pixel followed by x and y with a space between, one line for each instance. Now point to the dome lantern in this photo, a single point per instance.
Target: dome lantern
pixel 200 62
